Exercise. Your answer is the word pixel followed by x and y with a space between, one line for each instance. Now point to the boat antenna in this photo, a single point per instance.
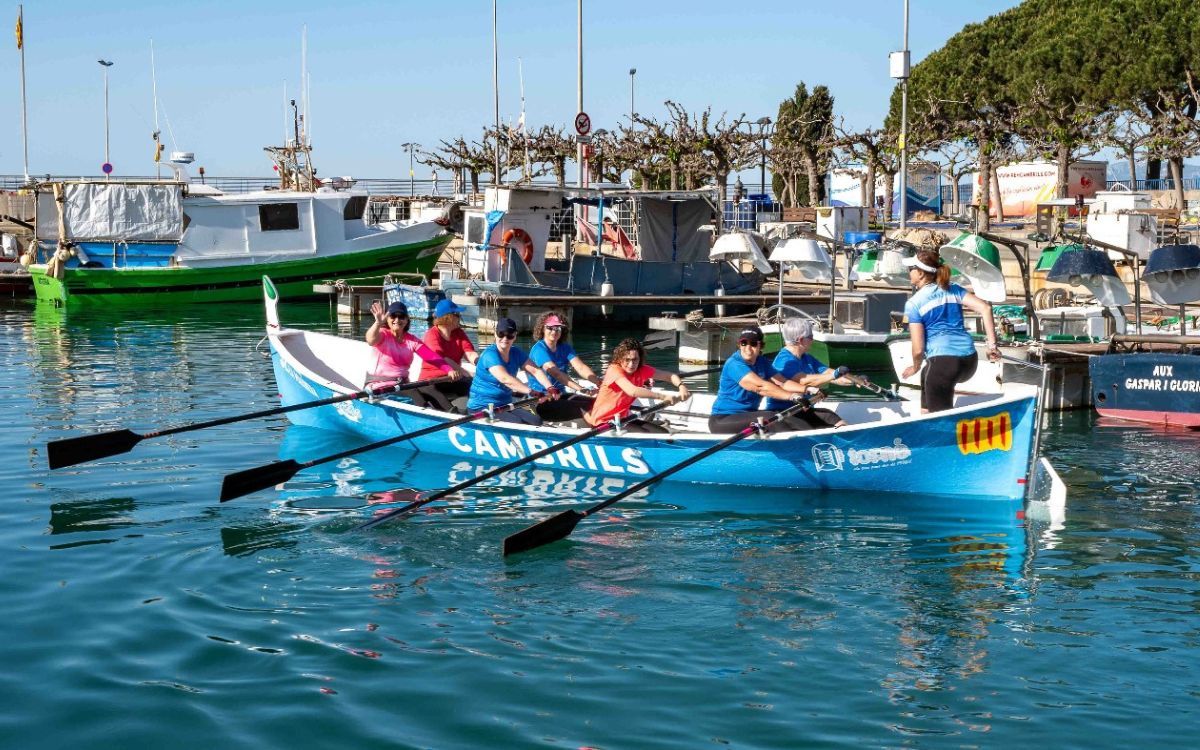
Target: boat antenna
pixel 521 122
pixel 285 114
pixel 304 134
pixel 496 92
pixel 157 130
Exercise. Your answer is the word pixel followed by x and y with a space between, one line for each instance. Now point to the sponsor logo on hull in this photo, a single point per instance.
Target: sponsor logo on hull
pixel 582 456
pixel 829 457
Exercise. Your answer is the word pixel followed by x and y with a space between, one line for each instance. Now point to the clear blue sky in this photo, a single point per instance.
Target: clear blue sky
pixel 383 73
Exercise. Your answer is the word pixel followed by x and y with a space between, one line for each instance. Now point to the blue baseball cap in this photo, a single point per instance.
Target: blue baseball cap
pixel 446 307
pixel 399 309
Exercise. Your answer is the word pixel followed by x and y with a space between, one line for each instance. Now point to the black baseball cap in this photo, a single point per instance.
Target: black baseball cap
pixel 398 309
pixel 751 333
pixel 506 325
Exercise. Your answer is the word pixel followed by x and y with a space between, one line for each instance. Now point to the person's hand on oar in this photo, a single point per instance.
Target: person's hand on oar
pixel 268 475
pixel 77 450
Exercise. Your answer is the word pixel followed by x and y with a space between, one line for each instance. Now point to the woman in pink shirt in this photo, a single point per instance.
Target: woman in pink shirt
pixel 447 338
pixel 394 347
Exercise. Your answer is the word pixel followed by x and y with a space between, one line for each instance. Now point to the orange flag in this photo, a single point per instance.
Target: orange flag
pixel 20 32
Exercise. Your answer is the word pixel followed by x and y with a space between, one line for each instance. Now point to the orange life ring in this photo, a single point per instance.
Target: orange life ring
pixel 523 242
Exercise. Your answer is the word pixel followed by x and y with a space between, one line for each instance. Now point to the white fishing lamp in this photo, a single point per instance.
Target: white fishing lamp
pixel 741 246
pixel 977 260
pixel 806 256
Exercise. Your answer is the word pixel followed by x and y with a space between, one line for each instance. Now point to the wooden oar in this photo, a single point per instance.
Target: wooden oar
pixel 268 475
pixel 424 500
pixel 560 526
pixel 77 450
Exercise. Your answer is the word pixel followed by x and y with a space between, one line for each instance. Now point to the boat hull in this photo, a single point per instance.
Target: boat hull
pixel 1151 387
pixel 977 451
pixel 151 287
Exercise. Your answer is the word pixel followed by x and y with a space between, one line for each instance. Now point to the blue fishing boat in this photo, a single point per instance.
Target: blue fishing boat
pixel 981 448
pixel 1155 378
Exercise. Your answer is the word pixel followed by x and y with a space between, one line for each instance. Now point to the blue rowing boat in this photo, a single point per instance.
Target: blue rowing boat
pixel 982 448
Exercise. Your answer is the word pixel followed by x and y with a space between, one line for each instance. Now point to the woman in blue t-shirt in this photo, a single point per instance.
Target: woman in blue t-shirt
pixel 496 381
pixel 746 377
pixel 553 354
pixel 939 336
pixel 796 364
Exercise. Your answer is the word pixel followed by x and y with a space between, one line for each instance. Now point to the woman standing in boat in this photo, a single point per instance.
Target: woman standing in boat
pixel 625 381
pixel 448 340
pixel 496 381
pixel 939 336
pixel 394 347
pixel 797 365
pixel 746 377
pixel 553 354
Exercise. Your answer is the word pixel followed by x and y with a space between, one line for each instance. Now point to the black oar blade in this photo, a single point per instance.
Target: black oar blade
pixel 259 478
pixel 545 532
pixel 79 450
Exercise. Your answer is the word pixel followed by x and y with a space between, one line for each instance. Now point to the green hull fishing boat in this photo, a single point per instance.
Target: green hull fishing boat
pixel 150 243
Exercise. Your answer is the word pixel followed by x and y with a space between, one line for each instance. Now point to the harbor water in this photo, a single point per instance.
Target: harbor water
pixel 140 610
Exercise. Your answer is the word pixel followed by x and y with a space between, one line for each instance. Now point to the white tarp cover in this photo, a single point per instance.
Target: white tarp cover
pixel 118 212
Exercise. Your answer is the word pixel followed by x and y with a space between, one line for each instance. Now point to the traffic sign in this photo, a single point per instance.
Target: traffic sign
pixel 106 168
pixel 583 123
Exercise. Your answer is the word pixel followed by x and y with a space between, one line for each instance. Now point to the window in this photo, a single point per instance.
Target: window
pixel 275 217
pixel 355 207
pixel 475 228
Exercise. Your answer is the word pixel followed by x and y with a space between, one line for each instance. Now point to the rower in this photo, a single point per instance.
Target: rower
pixel 625 381
pixel 496 381
pixel 796 364
pixel 746 377
pixel 552 353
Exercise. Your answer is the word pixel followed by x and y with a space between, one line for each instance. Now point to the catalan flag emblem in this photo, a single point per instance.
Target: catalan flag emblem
pixel 983 434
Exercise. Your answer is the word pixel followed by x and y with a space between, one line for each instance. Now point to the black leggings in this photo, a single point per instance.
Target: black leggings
pixel 941 375
pixel 564 409
pixel 519 416
pixel 439 395
pixel 727 424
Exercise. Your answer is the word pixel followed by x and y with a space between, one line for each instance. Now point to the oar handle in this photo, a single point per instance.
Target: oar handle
pixel 597 430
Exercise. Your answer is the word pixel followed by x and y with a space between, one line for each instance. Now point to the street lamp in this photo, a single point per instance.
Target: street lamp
pixel 762 124
pixel 410 147
pixel 106 64
pixel 632 113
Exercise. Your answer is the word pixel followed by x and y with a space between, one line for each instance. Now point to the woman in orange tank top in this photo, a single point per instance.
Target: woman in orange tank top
pixel 625 382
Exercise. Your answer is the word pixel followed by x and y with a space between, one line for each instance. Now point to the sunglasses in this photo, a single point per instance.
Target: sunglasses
pixel 398 317
pixel 554 328
pixel 505 335
pixel 748 342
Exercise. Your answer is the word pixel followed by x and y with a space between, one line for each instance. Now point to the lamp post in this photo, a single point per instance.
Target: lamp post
pixel 763 123
pixel 410 147
pixel 632 112
pixel 106 64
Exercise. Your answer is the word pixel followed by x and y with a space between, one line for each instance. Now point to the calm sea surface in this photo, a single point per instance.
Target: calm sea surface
pixel 139 611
